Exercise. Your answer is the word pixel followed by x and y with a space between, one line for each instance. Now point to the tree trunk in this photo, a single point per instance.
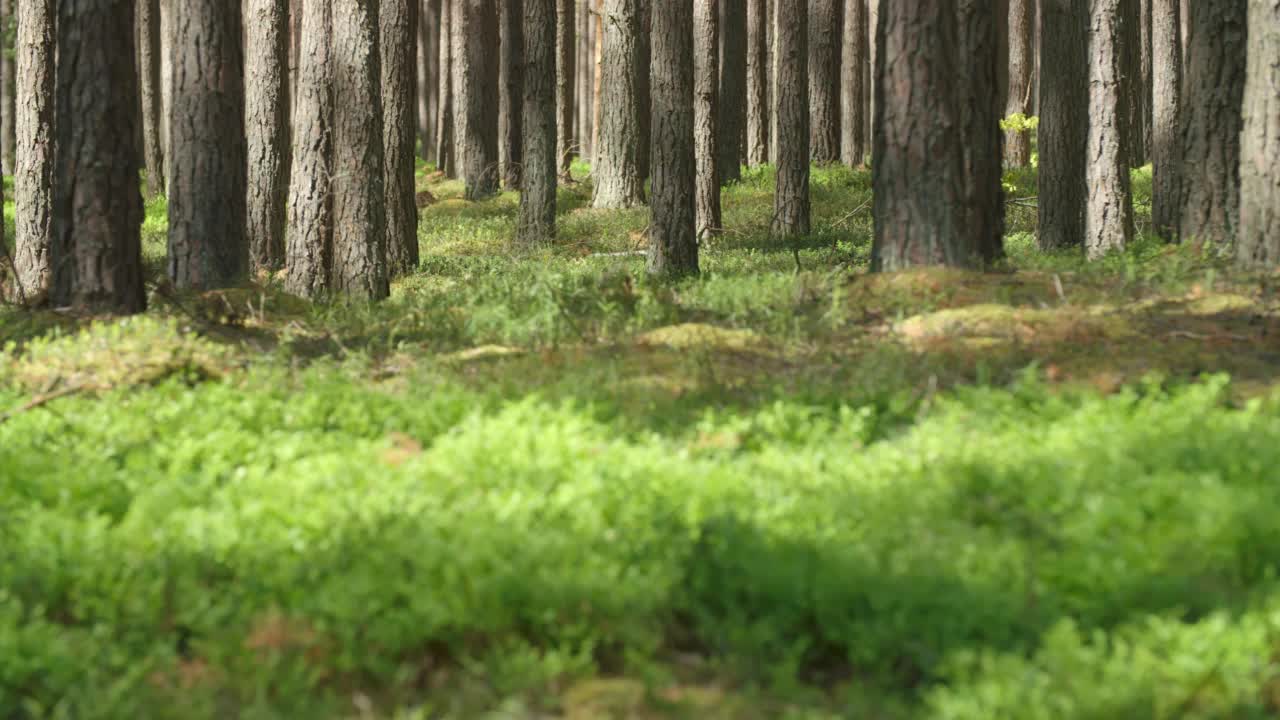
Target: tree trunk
pixel 207 196
pixel 918 171
pixel 1185 12
pixel 1258 243
pixel 538 196
pixel 1148 79
pixel 512 91
pixel 566 64
pixel 597 51
pixel 152 109
pixel 791 197
pixel 1109 210
pixel 673 242
pixel 644 87
pixel 582 104
pixel 1131 82
pixel 266 114
pixel 34 175
pixel 309 238
pixel 428 77
pixel 295 51
pixel 872 79
pixel 733 90
pixel 824 81
pixel 7 94
pixel 854 56
pixel 445 158
pixel 775 58
pixel 166 86
pixel 96 253
pixel 706 101
pixel 398 46
pixel 757 83
pixel 1166 144
pixel 618 181
pixel 982 33
pixel 1017 145
pixel 1213 96
pixel 1063 132
pixel 478 93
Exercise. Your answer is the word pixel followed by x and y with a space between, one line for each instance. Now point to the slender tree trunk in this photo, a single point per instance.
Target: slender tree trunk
pixel 398 44
pixel 706 115
pixel 757 83
pixel 1258 243
pixel 853 58
pixel 645 88
pixel 566 63
pixel 1148 79
pixel 582 104
pixel 918 171
pixel 733 90
pixel 791 197
pixel 1185 12
pixel 775 59
pixel 512 91
pixel 597 61
pixel 618 180
pixel 34 175
pixel 96 255
pixel 309 238
pixel 295 51
pixel 1214 93
pixel 1131 82
pixel 428 77
pixel 267 130
pixel 7 94
pixel 1109 211
pixel 444 124
pixel 982 33
pixel 149 64
pixel 673 241
pixel 1017 145
pixel 207 200
pixel 538 197
pixel 1166 140
pixel 1063 132
pixel 873 78
pixel 824 80
pixel 167 14
pixel 478 94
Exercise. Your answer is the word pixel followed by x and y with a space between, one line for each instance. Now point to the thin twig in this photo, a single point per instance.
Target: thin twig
pixel 41 400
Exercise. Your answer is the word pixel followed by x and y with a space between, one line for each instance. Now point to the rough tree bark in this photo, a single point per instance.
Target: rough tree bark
pixel 8 138
pixel 1109 210
pixel 1017 145
pixel 266 114
pixel 791 197
pixel 733 89
pixel 918 171
pixel 309 237
pixel 538 198
pixel 96 255
pixel 673 242
pixel 207 198
pixel 148 22
pixel 512 101
pixel 34 175
pixel 478 94
pixel 618 180
pixel 1063 132
pixel 1212 97
pixel 1258 241
pixel 398 45
pixel 1148 79
pixel 1131 83
pixel 757 83
pixel 445 157
pixel 582 81
pixel 853 142
pixel 982 34
pixel 824 81
pixel 566 64
pixel 706 101
pixel 1166 143
pixel 644 88
pixel 428 77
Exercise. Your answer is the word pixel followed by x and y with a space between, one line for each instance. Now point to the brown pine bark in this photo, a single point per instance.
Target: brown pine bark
pixel 1258 241
pixel 583 80
pixel 1109 210
pixel 512 100
pixel 791 197
pixel 8 138
pixel 96 253
pixel 673 241
pixel 428 77
pixel 618 179
pixel 148 21
pixel 34 175
pixel 478 93
pixel 1166 145
pixel 398 45
pixel 266 115
pixel 706 101
pixel 445 157
pixel 824 80
pixel 982 32
pixel 309 236
pixel 1063 132
pixel 207 187
pixel 597 50
pixel 918 171
pixel 853 59
pixel 644 87
pixel 733 90
pixel 1213 95
pixel 1017 145
pixel 1148 80
pixel 1131 82
pixel 537 223
pixel 566 65
pixel 757 83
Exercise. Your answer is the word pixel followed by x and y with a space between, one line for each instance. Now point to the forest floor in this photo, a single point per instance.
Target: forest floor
pixel 541 485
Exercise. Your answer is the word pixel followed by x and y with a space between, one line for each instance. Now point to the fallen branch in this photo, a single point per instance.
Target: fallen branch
pixel 40 401
pixel 1197 336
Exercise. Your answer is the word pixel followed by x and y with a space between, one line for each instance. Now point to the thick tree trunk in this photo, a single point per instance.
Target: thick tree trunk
pixel 207 196
pixel 791 197
pixel 398 45
pixel 1166 140
pixel 757 83
pixel 618 180
pixel 295 51
pixel 34 175
pixel 982 33
pixel 853 142
pixel 445 157
pixel 96 255
pixel 478 93
pixel 1213 96
pixel 1109 211
pixel 148 21
pixel 266 115
pixel 538 197
pixel 706 101
pixel 1017 145
pixel 512 101
pixel 566 64
pixel 673 242
pixel 1258 241
pixel 1063 132
pixel 309 238
pixel 918 171
pixel 824 80
pixel 733 89
pixel 1131 81
pixel 359 216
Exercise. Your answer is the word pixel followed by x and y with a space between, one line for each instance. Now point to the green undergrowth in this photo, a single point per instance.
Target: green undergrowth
pixel 539 484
